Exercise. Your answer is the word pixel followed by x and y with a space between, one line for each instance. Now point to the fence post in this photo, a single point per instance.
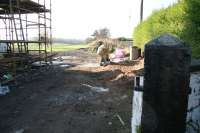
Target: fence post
pixel 131 52
pixel 135 53
pixel 166 84
pixel 137 104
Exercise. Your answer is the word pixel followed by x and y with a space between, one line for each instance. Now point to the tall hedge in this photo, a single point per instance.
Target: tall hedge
pixel 181 19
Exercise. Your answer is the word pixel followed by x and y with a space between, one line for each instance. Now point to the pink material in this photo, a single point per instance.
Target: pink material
pixel 119 53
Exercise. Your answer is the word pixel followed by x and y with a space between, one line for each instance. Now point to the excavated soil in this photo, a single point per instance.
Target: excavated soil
pixel 81 98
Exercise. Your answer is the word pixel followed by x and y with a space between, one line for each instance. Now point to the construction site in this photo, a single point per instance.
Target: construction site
pixel 100 85
pixel 43 91
pixel 18 20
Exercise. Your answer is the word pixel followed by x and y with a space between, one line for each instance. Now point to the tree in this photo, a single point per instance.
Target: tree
pixel 101 33
pixel 89 40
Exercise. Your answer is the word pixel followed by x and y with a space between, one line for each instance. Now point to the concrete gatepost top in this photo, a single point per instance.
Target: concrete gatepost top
pixel 166 40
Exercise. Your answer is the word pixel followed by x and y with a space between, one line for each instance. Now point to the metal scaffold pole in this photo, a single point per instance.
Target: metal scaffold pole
pixel 50 27
pixel 20 21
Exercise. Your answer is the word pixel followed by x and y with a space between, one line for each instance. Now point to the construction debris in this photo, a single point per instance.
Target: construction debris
pixel 109 123
pixel 120 119
pixel 119 55
pixel 20 131
pixel 8 77
pixel 96 89
pixel 4 90
pixel 39 63
pixel 52 63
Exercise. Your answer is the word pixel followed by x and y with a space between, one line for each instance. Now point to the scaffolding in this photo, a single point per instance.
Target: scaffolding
pixel 26 28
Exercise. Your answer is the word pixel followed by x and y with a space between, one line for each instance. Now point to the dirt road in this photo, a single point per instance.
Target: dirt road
pixel 78 99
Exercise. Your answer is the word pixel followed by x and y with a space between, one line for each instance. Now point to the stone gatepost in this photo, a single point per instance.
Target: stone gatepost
pixel 166 85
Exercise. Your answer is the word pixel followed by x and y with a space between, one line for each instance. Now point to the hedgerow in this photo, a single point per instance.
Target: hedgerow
pixel 181 19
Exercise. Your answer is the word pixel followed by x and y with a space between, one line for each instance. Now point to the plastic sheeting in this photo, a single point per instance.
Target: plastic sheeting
pixel 119 53
pixel 4 90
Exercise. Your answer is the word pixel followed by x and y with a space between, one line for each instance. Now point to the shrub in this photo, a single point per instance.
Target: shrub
pixel 181 20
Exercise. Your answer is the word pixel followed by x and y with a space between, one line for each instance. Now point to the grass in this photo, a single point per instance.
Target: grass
pixel 60 47
pixel 67 47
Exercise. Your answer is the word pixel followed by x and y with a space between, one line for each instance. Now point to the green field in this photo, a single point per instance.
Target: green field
pixel 60 47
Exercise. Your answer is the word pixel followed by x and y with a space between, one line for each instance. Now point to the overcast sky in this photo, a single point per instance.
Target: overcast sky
pixel 79 18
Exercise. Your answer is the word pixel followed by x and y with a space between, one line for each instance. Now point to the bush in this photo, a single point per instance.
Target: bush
pixel 181 20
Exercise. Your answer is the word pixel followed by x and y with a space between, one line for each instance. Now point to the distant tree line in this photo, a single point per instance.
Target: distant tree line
pixel 67 41
pixel 104 34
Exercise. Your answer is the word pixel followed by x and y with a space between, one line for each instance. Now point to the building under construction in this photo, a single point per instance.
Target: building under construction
pixel 25 31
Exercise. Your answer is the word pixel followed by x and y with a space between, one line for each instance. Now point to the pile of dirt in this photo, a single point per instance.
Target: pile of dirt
pixel 117 73
pixel 129 67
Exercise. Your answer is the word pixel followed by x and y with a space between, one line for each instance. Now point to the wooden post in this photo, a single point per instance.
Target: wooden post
pixel 135 53
pixel 131 52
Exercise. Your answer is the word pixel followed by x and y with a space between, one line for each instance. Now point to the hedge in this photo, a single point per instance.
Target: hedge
pixel 181 19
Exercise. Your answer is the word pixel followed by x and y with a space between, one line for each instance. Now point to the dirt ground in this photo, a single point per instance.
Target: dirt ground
pixel 82 98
